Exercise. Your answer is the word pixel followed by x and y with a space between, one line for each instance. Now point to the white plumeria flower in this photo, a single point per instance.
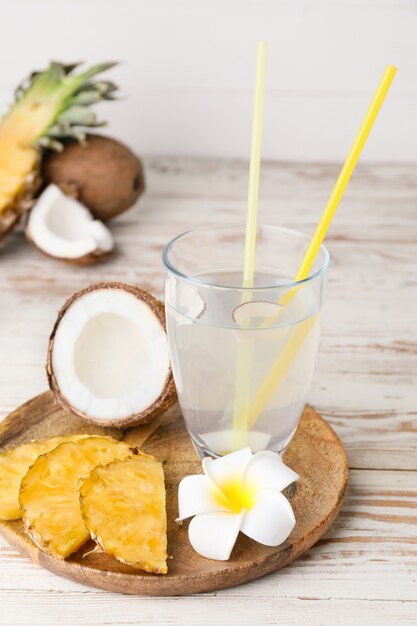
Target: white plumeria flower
pixel 237 492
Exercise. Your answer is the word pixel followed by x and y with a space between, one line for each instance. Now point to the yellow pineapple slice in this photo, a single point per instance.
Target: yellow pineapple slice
pixel 14 464
pixel 123 506
pixel 49 492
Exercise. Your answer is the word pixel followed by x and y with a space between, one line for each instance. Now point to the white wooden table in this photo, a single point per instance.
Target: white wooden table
pixel 364 570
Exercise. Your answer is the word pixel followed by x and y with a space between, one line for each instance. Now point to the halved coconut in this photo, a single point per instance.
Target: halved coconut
pixel 256 313
pixel 63 228
pixel 108 359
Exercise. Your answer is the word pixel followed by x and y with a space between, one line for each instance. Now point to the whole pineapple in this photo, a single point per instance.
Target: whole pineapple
pixel 49 106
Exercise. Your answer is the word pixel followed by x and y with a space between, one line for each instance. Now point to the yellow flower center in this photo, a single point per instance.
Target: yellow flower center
pixel 232 495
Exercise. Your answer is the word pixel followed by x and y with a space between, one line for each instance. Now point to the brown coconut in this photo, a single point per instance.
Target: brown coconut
pixel 103 174
pixel 167 394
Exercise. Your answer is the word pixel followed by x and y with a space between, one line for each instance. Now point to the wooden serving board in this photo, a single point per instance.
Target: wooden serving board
pixel 316 453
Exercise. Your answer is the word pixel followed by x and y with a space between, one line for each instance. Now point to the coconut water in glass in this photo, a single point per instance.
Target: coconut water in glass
pixel 242 360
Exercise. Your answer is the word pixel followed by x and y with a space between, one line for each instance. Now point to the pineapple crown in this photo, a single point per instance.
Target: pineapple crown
pixel 67 97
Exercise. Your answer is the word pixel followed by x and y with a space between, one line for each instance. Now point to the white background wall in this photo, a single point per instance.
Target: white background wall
pixel 188 70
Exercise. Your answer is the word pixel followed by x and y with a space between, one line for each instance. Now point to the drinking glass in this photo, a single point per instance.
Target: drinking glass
pixel 242 358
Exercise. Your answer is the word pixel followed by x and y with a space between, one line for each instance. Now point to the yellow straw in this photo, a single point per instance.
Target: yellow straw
pixel 339 188
pixel 346 172
pixel 279 368
pixel 255 163
pixel 290 351
pixel 245 351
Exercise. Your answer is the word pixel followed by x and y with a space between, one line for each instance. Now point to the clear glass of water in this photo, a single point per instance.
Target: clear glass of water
pixel 242 358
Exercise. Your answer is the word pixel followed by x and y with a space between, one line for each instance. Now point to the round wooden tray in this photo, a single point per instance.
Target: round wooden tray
pixel 315 452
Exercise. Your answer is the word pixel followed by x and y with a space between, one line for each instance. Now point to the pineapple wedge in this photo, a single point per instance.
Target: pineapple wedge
pixel 49 492
pixel 123 506
pixel 49 106
pixel 14 464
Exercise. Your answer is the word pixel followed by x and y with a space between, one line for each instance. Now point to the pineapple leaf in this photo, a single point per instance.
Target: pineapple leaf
pixel 24 85
pixel 56 72
pixel 70 67
pixel 72 133
pixel 61 129
pixel 102 86
pixel 86 98
pixel 78 135
pixel 47 142
pixel 79 116
pixel 47 82
pixel 50 103
pixel 75 82
pixel 97 69
pixel 105 86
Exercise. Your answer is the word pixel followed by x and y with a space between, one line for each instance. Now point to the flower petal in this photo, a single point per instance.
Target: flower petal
pixel 266 470
pixel 270 520
pixel 228 468
pixel 197 495
pixel 213 535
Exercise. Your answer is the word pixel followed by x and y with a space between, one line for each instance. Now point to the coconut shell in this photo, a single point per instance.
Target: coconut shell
pixel 168 396
pixel 103 174
pixel 87 259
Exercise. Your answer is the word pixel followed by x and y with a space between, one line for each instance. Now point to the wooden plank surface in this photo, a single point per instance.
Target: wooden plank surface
pixel 363 571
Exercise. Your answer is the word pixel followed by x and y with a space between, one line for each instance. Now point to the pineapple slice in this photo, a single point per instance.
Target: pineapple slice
pixel 123 506
pixel 14 464
pixel 50 105
pixel 49 492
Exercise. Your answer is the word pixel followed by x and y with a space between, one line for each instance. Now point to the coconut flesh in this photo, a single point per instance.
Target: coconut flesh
pixel 108 358
pixel 63 228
